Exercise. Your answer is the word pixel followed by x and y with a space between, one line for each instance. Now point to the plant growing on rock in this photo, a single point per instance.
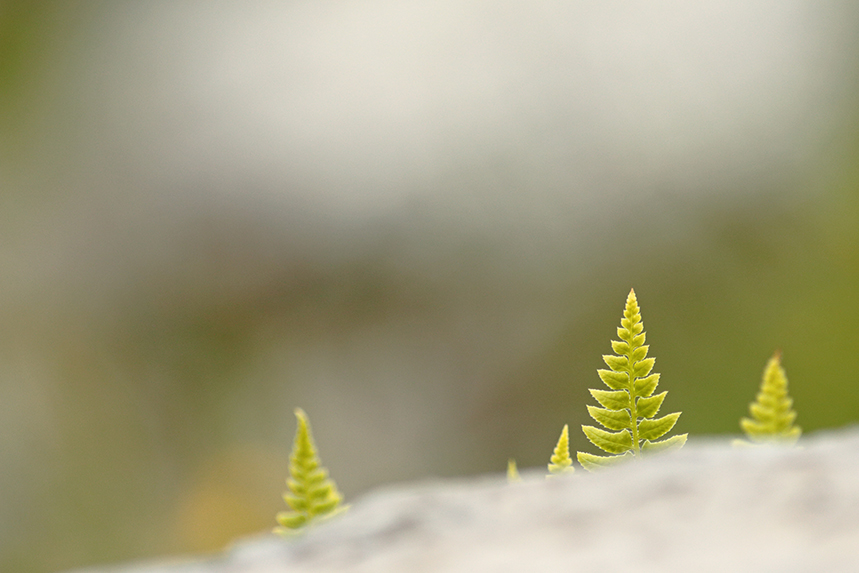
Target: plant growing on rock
pixel 629 406
pixel 513 472
pixel 312 495
pixel 561 463
pixel 773 417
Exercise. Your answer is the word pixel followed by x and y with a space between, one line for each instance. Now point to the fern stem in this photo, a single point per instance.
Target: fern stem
pixel 633 406
pixel 632 313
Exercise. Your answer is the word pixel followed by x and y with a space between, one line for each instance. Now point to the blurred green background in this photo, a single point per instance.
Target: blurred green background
pixel 417 222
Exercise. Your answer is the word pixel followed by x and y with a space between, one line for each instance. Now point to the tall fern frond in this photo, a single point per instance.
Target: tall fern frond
pixel 772 411
pixel 629 406
pixel 560 462
pixel 312 496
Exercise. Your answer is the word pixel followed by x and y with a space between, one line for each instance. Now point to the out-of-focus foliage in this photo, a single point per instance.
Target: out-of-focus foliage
pixel 772 411
pixel 403 217
pixel 513 472
pixel 561 462
pixel 312 495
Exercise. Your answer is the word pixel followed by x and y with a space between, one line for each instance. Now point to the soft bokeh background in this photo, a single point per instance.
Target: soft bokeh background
pixel 418 221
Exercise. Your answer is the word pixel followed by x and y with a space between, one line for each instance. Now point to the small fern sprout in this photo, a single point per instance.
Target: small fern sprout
pixel 512 471
pixel 312 496
pixel 773 417
pixel 561 463
pixel 629 408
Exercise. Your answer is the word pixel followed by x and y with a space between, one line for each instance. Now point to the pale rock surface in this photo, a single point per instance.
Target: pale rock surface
pixel 708 507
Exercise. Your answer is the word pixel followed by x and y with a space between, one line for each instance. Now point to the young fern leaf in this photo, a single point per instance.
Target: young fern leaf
pixel 772 411
pixel 560 462
pixel 629 406
pixel 312 496
pixel 512 472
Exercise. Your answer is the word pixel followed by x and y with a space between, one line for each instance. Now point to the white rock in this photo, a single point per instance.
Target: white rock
pixel 708 507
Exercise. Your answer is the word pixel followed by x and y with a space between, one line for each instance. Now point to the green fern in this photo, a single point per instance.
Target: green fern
pixel 772 411
pixel 513 472
pixel 312 496
pixel 629 407
pixel 561 463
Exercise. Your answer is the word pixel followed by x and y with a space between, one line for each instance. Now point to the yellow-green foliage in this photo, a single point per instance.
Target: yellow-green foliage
pixel 772 411
pixel 629 407
pixel 312 495
pixel 561 463
pixel 512 471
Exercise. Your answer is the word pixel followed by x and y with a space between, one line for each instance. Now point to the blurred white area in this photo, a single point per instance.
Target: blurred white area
pixel 498 111
pixel 313 125
pixel 360 108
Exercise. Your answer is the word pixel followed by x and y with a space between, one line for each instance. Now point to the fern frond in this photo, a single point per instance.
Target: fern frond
pixel 312 495
pixel 512 471
pixel 772 411
pixel 629 408
pixel 561 463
